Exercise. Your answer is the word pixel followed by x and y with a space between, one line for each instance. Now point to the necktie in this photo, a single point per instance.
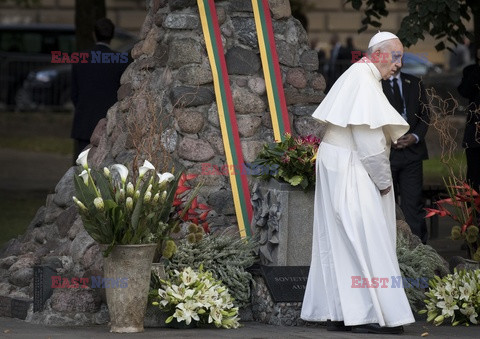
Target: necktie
pixel 397 97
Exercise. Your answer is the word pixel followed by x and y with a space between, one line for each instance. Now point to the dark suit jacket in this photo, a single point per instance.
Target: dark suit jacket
pixel 336 67
pixel 470 89
pixel 94 91
pixel 418 117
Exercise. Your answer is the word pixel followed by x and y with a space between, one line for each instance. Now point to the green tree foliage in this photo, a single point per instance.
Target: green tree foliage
pixel 442 19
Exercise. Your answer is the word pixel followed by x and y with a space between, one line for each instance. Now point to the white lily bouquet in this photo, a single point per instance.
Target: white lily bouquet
pixel 455 296
pixel 119 209
pixel 196 296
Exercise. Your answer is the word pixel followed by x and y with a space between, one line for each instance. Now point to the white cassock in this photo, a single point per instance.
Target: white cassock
pixel 354 231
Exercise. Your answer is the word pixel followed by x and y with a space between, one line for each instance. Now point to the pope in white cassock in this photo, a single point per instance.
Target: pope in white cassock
pixel 354 259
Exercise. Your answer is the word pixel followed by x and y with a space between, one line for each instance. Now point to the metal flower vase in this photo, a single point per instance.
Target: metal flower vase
pixel 127 301
pixel 155 317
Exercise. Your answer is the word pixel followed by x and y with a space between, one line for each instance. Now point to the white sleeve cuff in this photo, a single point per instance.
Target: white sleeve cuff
pixel 373 154
pixel 378 168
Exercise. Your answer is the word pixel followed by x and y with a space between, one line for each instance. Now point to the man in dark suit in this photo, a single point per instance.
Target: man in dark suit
pixel 470 89
pixel 340 60
pixel 95 84
pixel 407 95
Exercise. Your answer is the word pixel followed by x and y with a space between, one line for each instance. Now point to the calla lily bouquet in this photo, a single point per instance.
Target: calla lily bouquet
pixel 119 209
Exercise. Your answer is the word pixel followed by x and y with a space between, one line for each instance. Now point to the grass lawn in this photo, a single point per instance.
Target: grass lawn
pixel 17 211
pixel 434 170
pixel 38 144
pixel 36 132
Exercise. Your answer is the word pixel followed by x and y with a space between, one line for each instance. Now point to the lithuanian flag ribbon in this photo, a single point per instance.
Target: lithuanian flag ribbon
pixel 226 113
pixel 271 69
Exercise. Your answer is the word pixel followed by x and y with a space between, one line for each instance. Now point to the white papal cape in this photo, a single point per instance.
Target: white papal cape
pixel 354 231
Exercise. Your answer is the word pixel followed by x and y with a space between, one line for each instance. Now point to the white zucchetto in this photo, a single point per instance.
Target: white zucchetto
pixel 380 37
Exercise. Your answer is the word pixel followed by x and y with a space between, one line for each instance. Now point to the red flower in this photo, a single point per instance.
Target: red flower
pixel 181 189
pixel 431 212
pixel 203 216
pixel 311 139
pixel 204 207
pixel 205 227
pixel 190 176
pixel 194 203
pixel 285 159
pixel 465 201
pixel 177 202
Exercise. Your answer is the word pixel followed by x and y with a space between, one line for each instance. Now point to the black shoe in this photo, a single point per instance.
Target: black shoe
pixel 337 326
pixel 377 329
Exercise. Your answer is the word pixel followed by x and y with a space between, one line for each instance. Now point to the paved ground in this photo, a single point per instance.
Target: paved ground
pixel 14 328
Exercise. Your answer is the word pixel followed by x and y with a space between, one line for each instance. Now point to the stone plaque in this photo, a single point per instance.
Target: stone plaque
pixel 20 308
pixel 283 218
pixel 286 283
pixel 42 286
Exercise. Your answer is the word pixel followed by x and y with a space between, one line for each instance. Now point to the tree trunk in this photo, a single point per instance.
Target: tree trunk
pixel 86 13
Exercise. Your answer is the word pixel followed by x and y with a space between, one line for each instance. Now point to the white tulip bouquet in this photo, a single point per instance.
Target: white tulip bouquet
pixel 196 296
pixel 118 209
pixel 455 297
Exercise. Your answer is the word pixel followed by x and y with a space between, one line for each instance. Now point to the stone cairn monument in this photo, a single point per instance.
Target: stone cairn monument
pixel 167 93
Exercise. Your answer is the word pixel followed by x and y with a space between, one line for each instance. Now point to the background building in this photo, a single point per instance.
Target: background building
pixel 325 17
pixel 127 14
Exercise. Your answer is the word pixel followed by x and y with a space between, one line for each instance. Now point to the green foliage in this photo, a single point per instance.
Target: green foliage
pixel 418 263
pixel 291 161
pixel 224 256
pixel 442 19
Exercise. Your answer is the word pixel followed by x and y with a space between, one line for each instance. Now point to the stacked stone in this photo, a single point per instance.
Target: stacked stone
pixel 171 59
pixel 55 238
pixel 170 77
pixel 266 311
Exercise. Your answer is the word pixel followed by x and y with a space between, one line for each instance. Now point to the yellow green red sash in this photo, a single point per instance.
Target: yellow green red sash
pixel 226 113
pixel 271 69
